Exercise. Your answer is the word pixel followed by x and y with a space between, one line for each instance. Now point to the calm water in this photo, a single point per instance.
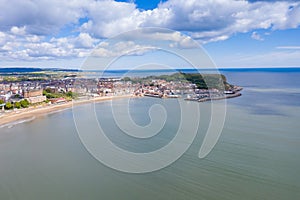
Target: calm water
pixel 257 156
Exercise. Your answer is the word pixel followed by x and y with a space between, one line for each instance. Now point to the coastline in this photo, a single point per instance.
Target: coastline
pixel 31 113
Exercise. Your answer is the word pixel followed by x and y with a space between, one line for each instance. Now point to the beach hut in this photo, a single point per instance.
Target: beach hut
pixel 2 106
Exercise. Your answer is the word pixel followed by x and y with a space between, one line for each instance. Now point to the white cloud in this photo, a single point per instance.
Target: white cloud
pixel 84 40
pixel 4 38
pixel 32 47
pixel 208 20
pixel 107 18
pixel 289 47
pixel 10 46
pixel 121 48
pixel 34 38
pixel 40 16
pixel 26 26
pixel 217 19
pixel 291 19
pixel 268 59
pixel 153 35
pixel 185 43
pixel 204 20
pixel 18 31
pixel 256 36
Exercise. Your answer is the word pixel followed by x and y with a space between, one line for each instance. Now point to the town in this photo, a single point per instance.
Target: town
pixel 22 93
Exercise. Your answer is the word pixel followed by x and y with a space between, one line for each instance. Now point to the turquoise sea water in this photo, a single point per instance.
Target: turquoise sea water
pixel 256 157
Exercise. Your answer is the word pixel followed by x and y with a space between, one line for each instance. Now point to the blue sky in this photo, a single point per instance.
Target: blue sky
pixel 42 33
pixel 145 4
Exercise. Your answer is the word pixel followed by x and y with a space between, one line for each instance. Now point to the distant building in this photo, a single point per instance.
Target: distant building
pixel 34 95
pixel 36 99
pixel 6 96
pixel 3 98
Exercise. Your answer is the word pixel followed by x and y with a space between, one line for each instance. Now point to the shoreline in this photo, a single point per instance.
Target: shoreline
pixel 32 113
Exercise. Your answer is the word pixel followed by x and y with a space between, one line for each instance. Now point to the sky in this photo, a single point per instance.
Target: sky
pixel 233 33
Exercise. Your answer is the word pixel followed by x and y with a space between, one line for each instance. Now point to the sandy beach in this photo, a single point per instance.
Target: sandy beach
pixel 32 112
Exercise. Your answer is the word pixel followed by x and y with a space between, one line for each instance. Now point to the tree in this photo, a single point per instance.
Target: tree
pixel 69 94
pixel 24 103
pixel 1 101
pixel 72 95
pixel 47 90
pixel 18 105
pixel 8 106
pixel 126 79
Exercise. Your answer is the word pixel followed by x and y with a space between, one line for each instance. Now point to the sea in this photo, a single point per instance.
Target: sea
pixel 255 157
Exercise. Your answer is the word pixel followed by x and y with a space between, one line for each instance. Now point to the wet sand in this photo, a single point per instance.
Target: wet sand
pixel 33 112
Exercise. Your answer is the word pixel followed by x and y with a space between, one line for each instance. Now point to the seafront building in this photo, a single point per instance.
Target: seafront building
pixel 34 95
pixel 33 90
